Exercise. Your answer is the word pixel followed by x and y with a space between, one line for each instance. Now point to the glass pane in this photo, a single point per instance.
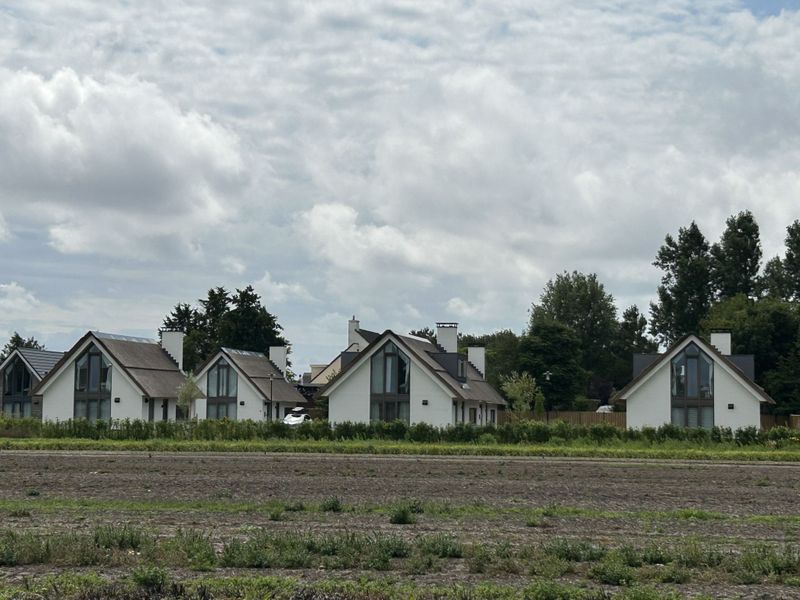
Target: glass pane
pixel 375 410
pixel 82 373
pixel 390 411
pixel 706 378
pixel 105 409
pixel 377 373
pixel 691 378
pixel 232 383
pixel 105 375
pixel 80 409
pixel 391 374
pixel 404 411
pixel 678 377
pixel 94 372
pixel 232 410
pixel 404 374
pixel 26 409
pixel 92 411
pixel 26 382
pixel 7 385
pixel 678 416
pixel 692 416
pixel 707 416
pixel 222 389
pixel 222 410
pixel 212 383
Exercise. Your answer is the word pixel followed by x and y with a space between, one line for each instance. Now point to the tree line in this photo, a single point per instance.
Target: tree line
pixel 575 346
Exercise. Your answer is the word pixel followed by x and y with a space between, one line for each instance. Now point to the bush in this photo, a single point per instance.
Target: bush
pixel 332 504
pixel 574 551
pixel 612 571
pixel 441 545
pixel 402 515
pixel 151 578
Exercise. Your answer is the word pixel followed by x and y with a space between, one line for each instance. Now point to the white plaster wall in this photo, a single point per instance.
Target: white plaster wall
pixel 59 397
pixel 350 400
pixel 198 408
pixel 131 405
pixel 746 408
pixel 439 411
pixel 253 402
pixel 649 406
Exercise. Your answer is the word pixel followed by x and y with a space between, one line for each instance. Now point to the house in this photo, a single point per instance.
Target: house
pixel 109 376
pixel 694 384
pixel 357 340
pixel 22 370
pixel 413 380
pixel 239 384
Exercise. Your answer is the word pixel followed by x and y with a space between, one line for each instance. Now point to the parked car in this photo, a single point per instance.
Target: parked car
pixel 296 417
pixel 606 408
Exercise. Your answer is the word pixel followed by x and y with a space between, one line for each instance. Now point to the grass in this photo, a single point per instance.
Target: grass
pixel 671 450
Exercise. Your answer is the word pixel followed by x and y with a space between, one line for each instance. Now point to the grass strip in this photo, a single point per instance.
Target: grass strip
pixel 635 450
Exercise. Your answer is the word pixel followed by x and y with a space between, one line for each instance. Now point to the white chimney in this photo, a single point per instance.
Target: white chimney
pixel 477 356
pixel 277 354
pixel 172 343
pixel 447 336
pixel 721 340
pixel 352 336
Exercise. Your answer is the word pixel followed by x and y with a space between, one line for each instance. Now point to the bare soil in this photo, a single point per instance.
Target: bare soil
pixel 735 490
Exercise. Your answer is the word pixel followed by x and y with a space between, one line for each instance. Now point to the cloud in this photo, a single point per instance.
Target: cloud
pixel 111 166
pixel 233 265
pixel 277 292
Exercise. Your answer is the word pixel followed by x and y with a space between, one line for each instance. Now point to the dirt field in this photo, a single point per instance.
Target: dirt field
pixel 614 502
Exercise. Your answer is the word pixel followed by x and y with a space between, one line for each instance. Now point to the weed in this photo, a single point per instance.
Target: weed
pixel 332 504
pixel 276 515
pixel 402 515
pixel 574 551
pixel 296 506
pixel 151 578
pixel 613 571
pixel 442 545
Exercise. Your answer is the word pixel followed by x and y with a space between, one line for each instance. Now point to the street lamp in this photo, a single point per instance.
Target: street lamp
pixel 547 375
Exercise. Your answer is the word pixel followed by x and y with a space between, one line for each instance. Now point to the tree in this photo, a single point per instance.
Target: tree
pixel 684 295
pixel 425 333
pixel 581 303
pixel 551 353
pixel 502 353
pixel 522 391
pixel 775 282
pixel 248 325
pixel 17 341
pixel 736 258
pixel 631 338
pixel 188 392
pixel 791 262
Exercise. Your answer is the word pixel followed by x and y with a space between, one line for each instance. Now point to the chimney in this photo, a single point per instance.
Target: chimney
pixel 447 336
pixel 477 356
pixel 352 336
pixel 721 340
pixel 172 343
pixel 277 354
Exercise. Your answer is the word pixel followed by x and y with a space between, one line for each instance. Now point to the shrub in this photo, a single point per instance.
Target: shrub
pixel 151 578
pixel 574 551
pixel 297 506
pixel 612 571
pixel 442 545
pixel 402 515
pixel 332 504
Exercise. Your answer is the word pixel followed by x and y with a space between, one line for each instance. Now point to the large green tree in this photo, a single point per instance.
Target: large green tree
pixel 736 258
pixel 631 338
pixel 684 295
pixel 17 341
pixel 248 325
pixel 774 282
pixel 791 262
pixel 581 303
pixel 552 354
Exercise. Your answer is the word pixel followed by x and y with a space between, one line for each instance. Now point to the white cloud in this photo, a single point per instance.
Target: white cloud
pixel 233 265
pixel 278 292
pixel 5 232
pixel 111 166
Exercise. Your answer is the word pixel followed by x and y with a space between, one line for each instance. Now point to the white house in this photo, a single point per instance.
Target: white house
pixel 109 376
pixel 22 370
pixel 414 380
pixel 357 340
pixel 694 384
pixel 239 384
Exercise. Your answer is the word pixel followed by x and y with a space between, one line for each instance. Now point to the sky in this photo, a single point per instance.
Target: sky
pixel 404 162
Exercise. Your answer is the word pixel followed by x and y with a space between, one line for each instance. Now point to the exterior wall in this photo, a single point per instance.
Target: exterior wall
pixel 439 411
pixel 58 401
pixel 350 400
pixel 649 406
pixel 328 372
pixel 746 408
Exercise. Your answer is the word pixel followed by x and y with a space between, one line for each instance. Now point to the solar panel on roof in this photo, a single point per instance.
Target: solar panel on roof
pixel 123 338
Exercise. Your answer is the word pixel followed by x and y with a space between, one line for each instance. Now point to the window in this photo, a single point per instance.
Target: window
pixel 473 415
pixel 692 383
pixel 16 401
pixel 92 386
pixel 222 390
pixel 493 416
pixel 462 369
pixel 390 385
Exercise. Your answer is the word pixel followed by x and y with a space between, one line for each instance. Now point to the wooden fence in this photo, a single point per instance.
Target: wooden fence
pixel 617 419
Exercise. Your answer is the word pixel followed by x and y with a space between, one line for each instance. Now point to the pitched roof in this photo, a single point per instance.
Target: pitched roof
pixel 708 348
pixel 143 360
pixel 40 361
pixel 258 369
pixel 369 336
pixel 475 387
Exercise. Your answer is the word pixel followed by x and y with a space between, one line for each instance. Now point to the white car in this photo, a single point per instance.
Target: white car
pixel 296 417
pixel 606 408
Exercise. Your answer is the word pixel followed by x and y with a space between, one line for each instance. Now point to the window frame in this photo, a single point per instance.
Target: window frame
pixel 390 371
pixel 88 403
pixel 214 400
pixel 687 389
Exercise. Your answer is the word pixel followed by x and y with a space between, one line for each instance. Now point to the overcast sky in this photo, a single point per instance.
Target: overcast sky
pixel 406 162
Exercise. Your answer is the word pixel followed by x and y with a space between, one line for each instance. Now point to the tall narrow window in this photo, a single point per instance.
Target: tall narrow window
pixel 692 373
pixel 222 390
pixel 17 383
pixel 390 385
pixel 92 386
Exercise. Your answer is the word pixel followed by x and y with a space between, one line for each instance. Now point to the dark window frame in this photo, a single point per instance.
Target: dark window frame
pixel 688 389
pixel 89 403
pixel 395 395
pixel 17 382
pixel 227 383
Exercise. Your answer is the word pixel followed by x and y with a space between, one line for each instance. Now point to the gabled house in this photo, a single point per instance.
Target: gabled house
pixel 239 384
pixel 694 384
pixel 357 340
pixel 414 380
pixel 109 376
pixel 22 370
